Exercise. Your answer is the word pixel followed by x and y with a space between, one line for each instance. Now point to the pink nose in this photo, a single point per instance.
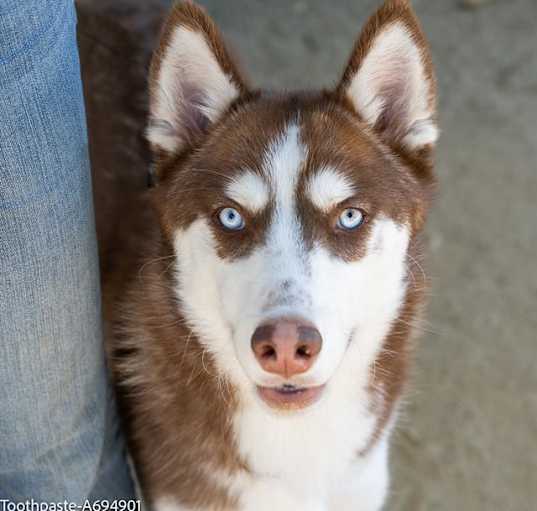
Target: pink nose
pixel 286 346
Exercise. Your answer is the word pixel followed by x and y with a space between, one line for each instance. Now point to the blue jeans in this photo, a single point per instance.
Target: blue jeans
pixel 59 434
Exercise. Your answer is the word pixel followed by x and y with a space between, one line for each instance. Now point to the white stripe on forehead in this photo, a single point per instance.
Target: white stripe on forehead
pixel 285 250
pixel 283 163
pixel 327 188
pixel 249 190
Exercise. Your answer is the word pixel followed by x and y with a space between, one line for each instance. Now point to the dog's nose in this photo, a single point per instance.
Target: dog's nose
pixel 286 346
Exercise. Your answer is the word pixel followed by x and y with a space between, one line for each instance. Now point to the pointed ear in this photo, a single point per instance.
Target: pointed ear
pixel 192 79
pixel 389 79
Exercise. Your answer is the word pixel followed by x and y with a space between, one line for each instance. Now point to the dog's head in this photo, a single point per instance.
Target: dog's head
pixel 291 215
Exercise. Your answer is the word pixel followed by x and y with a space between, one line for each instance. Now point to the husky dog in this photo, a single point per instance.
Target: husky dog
pixel 261 345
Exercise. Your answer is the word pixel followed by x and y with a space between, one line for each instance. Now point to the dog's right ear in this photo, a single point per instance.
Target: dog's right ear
pixel 192 80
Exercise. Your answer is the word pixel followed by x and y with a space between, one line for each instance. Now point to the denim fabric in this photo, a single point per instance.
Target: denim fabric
pixel 59 436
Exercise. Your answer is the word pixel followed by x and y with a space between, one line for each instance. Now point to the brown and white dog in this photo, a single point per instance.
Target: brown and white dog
pixel 261 353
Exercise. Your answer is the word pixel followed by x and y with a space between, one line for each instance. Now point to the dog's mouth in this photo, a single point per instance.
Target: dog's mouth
pixel 290 397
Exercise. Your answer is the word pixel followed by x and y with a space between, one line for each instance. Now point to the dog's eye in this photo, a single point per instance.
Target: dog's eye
pixel 231 219
pixel 350 219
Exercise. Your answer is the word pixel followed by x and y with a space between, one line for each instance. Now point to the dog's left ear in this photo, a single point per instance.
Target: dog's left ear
pixel 389 79
pixel 192 80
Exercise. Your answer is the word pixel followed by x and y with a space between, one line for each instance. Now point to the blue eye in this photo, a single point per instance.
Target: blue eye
pixel 350 219
pixel 231 219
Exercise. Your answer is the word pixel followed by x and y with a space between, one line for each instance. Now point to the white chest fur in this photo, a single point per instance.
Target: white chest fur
pixel 311 461
pixel 362 486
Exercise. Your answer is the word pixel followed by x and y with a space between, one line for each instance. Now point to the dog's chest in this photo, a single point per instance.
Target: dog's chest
pixel 315 453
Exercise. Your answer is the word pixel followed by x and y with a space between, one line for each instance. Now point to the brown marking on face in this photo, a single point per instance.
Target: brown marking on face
pixel 384 186
pixel 195 182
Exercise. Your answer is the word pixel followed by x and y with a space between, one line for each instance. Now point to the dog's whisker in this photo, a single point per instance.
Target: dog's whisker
pixel 152 261
pixel 418 265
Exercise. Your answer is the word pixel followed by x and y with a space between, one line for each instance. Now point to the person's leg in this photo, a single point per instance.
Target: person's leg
pixel 59 435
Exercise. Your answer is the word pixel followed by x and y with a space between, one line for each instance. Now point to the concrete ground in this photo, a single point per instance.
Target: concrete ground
pixel 468 437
